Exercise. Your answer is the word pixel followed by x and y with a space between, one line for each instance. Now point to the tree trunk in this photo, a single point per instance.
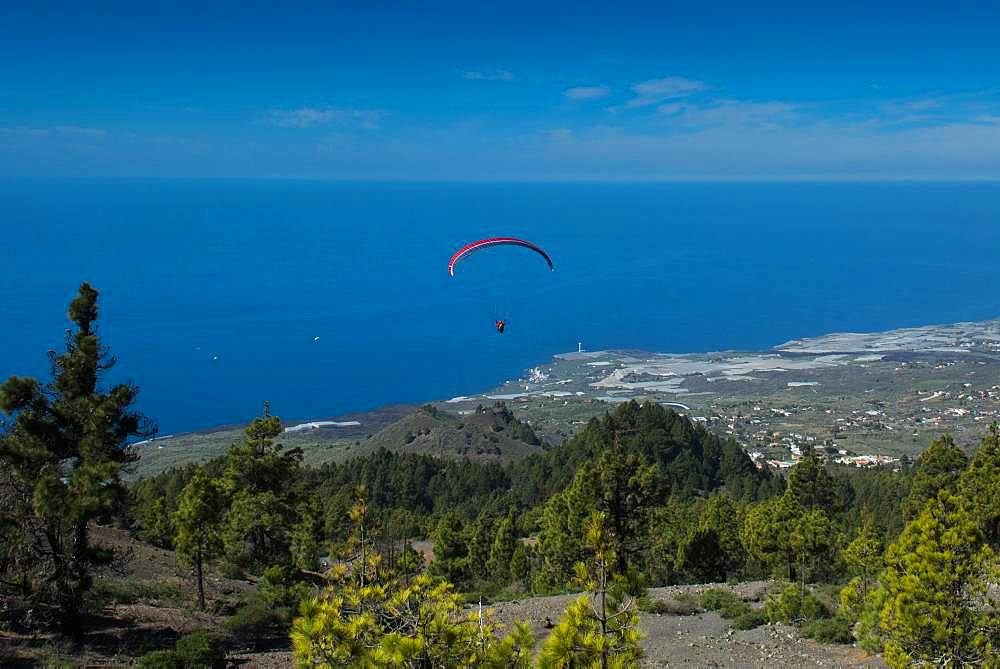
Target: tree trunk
pixel 201 582
pixel 604 616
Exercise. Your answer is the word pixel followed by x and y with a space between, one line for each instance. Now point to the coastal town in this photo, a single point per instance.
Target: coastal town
pixel 859 400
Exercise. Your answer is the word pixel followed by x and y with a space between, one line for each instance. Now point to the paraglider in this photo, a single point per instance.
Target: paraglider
pixel 472 247
pixel 464 252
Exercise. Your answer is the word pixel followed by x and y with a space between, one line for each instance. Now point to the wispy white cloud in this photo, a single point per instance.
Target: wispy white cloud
pixel 770 114
pixel 80 131
pixel 58 131
pixel 495 75
pixel 583 93
pixel 652 91
pixel 557 134
pixel 305 117
pixel 933 137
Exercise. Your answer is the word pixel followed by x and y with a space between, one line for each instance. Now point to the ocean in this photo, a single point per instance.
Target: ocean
pixel 330 297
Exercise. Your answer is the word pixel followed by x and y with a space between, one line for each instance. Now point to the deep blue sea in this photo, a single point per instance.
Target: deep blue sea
pixel 213 292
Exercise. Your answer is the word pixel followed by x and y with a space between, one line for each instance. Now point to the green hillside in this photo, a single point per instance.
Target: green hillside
pixel 489 433
pixel 319 444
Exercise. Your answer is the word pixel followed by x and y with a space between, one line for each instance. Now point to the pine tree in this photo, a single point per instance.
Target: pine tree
pixel 600 629
pixel 560 540
pixel 305 536
pixel 371 617
pixel 940 467
pixel 502 551
pixel 451 552
pixel 670 526
pixel 979 485
pixel 258 480
pixel 767 533
pixel 520 567
pixel 197 521
pixel 158 524
pixel 60 463
pixel 701 556
pixel 811 540
pixel 811 485
pixel 722 516
pixel 480 539
pixel 625 488
pixel 936 610
pixel 863 557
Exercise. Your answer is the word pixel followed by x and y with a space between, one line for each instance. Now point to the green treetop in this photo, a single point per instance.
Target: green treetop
pixel 940 466
pixel 811 485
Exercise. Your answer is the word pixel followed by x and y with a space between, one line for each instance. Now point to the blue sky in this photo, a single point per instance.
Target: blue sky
pixel 383 89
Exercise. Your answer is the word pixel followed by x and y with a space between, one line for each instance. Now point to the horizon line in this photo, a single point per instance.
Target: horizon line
pixel 555 179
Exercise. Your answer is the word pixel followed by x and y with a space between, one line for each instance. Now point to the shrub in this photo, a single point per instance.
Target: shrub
pixel 686 598
pixel 160 659
pixel 56 663
pixel 812 608
pixel 795 607
pixel 829 630
pixel 677 607
pixel 115 592
pixel 749 620
pixel 714 599
pixel 851 602
pixel 105 593
pixel 869 622
pixel 252 622
pixel 734 609
pixel 201 649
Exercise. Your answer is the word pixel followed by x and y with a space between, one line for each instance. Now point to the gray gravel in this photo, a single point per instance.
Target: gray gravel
pixel 705 639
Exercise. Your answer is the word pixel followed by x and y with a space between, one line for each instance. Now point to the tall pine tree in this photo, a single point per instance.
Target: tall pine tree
pixel 980 486
pixel 61 458
pixel 936 611
pixel 197 521
pixel 258 479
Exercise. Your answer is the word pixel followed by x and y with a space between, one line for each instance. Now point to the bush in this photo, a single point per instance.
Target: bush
pixel 195 651
pixel 252 622
pixel 201 649
pixel 715 599
pixel 829 630
pixel 678 607
pixel 734 609
pixel 812 608
pixel 795 607
pixel 869 622
pixel 160 659
pixel 105 593
pixel 115 592
pixel 749 620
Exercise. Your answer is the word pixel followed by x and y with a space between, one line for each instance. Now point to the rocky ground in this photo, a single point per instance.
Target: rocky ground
pixel 703 639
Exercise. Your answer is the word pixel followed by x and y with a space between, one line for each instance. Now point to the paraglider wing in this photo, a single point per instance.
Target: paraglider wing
pixel 495 241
